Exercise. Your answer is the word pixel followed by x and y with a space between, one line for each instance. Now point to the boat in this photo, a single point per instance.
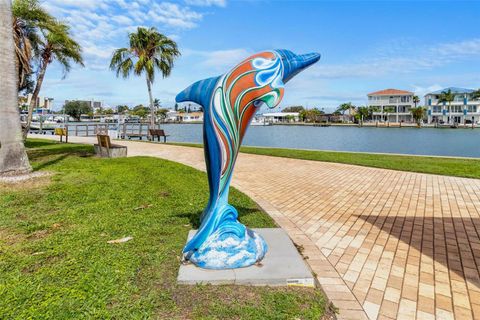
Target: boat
pixel 44 125
pixel 258 122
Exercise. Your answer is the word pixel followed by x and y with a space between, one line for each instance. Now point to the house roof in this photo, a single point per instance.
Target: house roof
pixel 281 114
pixel 454 90
pixel 390 92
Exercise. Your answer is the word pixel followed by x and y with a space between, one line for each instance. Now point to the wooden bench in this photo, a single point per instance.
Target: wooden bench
pixel 62 132
pixel 157 133
pixel 105 148
pixel 134 135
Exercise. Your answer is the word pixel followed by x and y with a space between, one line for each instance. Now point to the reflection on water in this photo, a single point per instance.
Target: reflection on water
pixel 425 141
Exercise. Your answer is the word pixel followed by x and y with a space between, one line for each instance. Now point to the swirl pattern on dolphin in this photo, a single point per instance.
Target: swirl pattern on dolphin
pixel 229 103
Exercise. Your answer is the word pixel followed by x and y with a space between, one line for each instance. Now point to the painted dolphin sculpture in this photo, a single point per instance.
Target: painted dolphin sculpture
pixel 229 102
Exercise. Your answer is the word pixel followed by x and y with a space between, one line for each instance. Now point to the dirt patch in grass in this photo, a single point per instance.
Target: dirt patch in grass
pixel 40 234
pixel 9 237
pixel 32 180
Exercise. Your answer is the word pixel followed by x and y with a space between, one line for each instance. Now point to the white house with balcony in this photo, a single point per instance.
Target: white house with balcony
pixel 462 110
pixel 393 105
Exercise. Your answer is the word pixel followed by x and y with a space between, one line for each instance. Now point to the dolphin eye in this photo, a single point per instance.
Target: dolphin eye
pixel 258 103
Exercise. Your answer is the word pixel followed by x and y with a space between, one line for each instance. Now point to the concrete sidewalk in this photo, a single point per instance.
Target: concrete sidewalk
pixel 384 244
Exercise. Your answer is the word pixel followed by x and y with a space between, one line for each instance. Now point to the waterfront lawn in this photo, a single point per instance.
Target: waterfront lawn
pixel 55 261
pixel 457 167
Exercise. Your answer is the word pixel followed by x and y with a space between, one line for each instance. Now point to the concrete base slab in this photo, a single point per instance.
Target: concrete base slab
pixel 116 151
pixel 282 266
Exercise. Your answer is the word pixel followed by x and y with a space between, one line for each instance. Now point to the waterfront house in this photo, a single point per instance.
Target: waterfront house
pixel 393 105
pixel 196 116
pixel 462 110
pixel 335 118
pixel 275 117
pixel 172 116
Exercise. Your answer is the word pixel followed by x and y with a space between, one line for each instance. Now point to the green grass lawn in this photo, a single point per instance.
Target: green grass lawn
pixel 55 262
pixel 468 168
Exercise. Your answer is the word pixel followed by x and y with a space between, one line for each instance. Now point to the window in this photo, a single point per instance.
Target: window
pixel 472 109
pixel 456 109
pixel 393 100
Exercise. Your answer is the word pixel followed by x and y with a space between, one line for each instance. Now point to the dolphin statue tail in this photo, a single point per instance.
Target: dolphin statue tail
pixel 199 92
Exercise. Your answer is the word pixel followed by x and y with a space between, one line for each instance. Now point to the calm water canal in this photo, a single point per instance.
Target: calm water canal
pixel 425 141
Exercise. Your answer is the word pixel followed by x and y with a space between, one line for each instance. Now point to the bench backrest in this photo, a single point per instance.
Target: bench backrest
pixel 60 131
pixel 157 132
pixel 104 141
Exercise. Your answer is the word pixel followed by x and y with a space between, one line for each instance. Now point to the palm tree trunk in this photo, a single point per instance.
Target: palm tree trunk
pixel 17 67
pixel 36 92
pixel 13 158
pixel 152 111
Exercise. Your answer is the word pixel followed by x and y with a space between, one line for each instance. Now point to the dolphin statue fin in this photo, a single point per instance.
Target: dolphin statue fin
pixel 200 92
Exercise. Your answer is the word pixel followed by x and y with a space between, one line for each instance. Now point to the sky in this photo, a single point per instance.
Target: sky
pixel 420 46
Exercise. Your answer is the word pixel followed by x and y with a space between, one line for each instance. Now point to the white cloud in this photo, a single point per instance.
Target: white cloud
pixel 174 15
pixel 100 26
pixel 122 20
pixel 462 48
pixel 421 91
pixel 374 67
pixel 83 4
pixel 409 61
pixel 225 58
pixel 207 3
pixel 219 59
pixel 97 51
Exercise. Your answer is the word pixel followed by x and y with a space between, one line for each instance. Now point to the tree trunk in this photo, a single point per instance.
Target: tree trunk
pixel 152 111
pixel 13 158
pixel 36 92
pixel 17 68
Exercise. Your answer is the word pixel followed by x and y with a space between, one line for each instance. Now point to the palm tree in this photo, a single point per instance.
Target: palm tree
pixel 372 109
pixel 388 110
pixel 475 95
pixel 416 100
pixel 56 43
pixel 363 113
pixel 28 18
pixel 418 113
pixel 13 158
pixel 343 108
pixel 149 50
pixel 446 97
pixel 156 106
pixel 162 113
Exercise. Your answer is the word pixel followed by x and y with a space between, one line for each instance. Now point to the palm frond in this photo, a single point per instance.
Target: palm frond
pixel 122 62
pixel 149 51
pixel 60 46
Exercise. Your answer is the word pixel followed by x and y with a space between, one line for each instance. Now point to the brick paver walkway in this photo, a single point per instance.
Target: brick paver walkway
pixel 383 244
